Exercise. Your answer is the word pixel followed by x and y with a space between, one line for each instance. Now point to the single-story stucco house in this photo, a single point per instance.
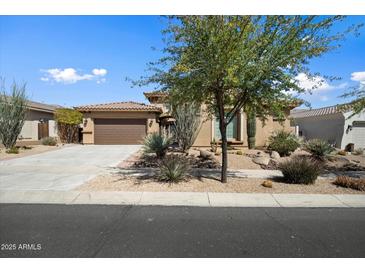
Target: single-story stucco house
pixel 333 125
pixel 39 123
pixel 130 122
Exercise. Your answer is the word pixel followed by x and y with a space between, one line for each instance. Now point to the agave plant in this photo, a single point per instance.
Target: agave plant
pixel 319 149
pixel 173 168
pixel 156 143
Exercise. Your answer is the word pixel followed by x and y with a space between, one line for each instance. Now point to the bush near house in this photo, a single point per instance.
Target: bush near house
pixel 283 142
pixel 49 141
pixel 349 182
pixel 300 170
pixel 13 150
pixel 173 168
pixel 319 149
pixel 68 121
pixel 156 143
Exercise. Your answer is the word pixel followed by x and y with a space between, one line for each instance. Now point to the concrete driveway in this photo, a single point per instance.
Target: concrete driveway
pixel 62 169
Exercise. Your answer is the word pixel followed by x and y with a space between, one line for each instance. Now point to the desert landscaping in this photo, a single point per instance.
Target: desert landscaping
pixel 144 172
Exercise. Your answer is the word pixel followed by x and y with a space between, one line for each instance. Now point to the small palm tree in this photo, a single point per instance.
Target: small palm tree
pixel 156 143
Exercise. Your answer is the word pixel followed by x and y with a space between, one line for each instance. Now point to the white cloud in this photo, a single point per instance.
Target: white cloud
pixel 323 98
pixel 316 83
pixel 99 72
pixel 71 75
pixel 100 81
pixel 359 77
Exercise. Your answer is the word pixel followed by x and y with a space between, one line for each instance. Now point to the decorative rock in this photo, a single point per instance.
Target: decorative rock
pixel 261 160
pixel 206 154
pixel 275 155
pixel 267 183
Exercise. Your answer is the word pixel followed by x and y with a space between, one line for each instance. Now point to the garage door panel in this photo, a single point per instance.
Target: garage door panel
pixel 119 131
pixel 358 134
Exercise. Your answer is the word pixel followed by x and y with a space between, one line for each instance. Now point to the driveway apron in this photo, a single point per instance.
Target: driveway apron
pixel 62 169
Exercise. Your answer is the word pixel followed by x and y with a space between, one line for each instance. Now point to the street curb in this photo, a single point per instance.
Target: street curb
pixel 200 199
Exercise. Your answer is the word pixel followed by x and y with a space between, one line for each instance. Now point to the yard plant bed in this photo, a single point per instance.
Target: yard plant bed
pixel 244 160
pixel 151 161
pixel 26 151
pixel 117 182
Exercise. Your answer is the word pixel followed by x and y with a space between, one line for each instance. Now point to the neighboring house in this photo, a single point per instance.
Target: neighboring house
pixel 333 125
pixel 130 122
pixel 39 123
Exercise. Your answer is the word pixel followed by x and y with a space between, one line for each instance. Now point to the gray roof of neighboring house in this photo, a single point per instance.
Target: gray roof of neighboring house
pixel 302 113
pixel 32 105
pixel 42 107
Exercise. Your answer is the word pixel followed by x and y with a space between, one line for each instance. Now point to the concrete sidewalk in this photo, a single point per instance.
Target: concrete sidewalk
pixel 202 199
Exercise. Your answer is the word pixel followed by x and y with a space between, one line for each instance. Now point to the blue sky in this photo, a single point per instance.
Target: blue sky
pixel 74 60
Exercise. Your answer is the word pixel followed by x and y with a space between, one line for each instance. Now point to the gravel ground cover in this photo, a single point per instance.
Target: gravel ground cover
pixel 117 182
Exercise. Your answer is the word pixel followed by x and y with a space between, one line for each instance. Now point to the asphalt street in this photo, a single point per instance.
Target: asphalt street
pixel 155 231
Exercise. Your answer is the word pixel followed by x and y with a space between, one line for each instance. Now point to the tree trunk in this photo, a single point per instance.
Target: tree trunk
pixel 224 152
pixel 223 130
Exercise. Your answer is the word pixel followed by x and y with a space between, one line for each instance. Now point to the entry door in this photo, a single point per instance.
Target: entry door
pixel 43 130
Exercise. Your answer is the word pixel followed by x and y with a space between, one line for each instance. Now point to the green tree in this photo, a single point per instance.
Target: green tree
pixel 233 62
pixel 13 110
pixel 357 103
pixel 68 121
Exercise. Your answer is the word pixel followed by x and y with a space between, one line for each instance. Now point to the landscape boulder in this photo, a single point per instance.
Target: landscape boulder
pixel 275 155
pixel 206 154
pixel 267 184
pixel 261 160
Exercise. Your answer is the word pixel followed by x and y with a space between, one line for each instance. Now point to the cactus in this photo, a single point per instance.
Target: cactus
pixel 251 129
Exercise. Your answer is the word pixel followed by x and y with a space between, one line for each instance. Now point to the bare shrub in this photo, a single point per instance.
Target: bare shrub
pixel 300 170
pixel 349 182
pixel 187 124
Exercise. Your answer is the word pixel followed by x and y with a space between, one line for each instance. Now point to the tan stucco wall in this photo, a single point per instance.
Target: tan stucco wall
pixel 88 121
pixel 205 134
pixel 263 132
pixel 29 131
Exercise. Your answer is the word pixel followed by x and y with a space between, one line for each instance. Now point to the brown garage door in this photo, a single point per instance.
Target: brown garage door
pixel 119 131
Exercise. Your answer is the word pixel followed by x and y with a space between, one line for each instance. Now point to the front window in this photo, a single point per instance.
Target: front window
pixel 231 129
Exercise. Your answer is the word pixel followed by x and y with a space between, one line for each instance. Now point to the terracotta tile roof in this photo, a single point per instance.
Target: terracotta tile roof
pixel 119 106
pixel 316 112
pixel 155 94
